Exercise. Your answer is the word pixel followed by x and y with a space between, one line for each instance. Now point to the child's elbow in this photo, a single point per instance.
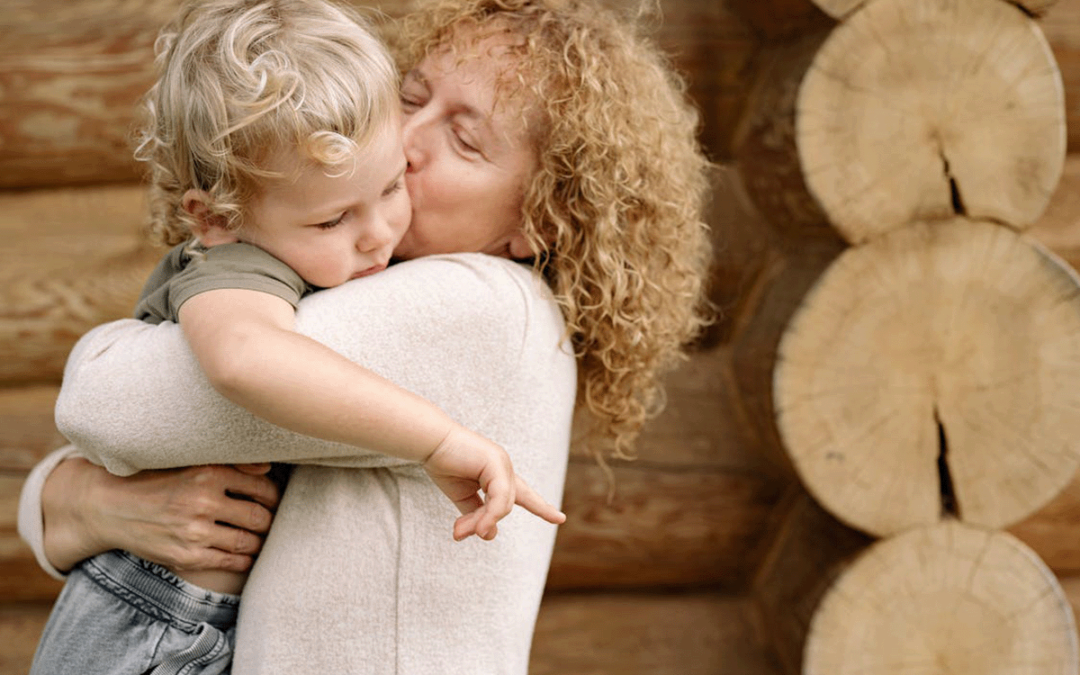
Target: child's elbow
pixel 232 364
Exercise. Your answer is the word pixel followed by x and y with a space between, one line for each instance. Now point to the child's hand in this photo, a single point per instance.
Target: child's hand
pixel 465 463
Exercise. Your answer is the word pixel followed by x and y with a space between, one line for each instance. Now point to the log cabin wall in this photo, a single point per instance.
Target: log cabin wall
pixel 711 558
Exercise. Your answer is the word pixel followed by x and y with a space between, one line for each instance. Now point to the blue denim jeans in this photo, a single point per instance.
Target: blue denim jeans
pixel 119 614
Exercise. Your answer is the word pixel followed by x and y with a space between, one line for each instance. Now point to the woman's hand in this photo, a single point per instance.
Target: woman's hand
pixel 194 518
pixel 465 463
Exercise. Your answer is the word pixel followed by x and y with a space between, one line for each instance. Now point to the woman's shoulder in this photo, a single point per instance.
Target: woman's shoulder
pixel 467 285
pixel 479 300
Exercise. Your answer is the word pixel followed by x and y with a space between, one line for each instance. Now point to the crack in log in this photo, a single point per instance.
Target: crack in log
pixel 950 506
pixel 954 189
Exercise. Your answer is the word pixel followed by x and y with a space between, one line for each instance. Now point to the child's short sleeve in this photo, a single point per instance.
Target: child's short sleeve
pixel 182 275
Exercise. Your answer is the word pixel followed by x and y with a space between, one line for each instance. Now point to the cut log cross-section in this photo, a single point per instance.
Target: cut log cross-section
pixel 922 109
pixel 944 599
pixel 838 9
pixel 934 371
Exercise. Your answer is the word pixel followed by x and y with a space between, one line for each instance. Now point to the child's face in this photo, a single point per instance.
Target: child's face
pixel 330 229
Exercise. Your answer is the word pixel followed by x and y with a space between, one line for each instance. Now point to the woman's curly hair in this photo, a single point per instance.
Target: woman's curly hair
pixel 615 206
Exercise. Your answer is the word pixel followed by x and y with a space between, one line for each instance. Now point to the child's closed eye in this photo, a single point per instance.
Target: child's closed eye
pixel 395 187
pixel 330 224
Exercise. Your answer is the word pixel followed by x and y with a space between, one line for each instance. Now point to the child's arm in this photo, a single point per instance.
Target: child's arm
pixel 244 342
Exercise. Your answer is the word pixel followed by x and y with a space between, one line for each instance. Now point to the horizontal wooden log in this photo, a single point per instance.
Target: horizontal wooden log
pixel 75 259
pixel 693 633
pixel 27 432
pixel 779 20
pixel 663 528
pixel 701 632
pixel 1059 227
pixel 1054 532
pixel 20 577
pixel 20 628
pixel 72 73
pixel 671 528
pixel 806 556
pixel 781 290
pixel 694 509
pixel 765 148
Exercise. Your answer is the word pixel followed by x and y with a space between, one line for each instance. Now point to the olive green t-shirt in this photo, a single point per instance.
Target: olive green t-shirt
pixel 188 270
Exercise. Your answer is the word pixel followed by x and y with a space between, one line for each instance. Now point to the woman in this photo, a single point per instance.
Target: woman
pixel 540 130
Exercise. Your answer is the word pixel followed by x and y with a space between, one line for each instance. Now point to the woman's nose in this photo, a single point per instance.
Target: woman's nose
pixel 412 140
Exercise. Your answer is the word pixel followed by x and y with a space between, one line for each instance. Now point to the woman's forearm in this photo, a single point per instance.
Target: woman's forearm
pixel 196 518
pixel 69 535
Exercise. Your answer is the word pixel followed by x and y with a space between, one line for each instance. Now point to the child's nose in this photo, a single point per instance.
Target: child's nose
pixel 377 235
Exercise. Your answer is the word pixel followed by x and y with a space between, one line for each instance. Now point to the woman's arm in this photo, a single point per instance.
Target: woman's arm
pixel 184 518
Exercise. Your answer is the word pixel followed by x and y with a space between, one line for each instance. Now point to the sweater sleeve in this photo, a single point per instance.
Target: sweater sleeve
pixel 445 327
pixel 31 523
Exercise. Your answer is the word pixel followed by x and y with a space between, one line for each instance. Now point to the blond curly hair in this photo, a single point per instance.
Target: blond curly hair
pixel 241 79
pixel 615 206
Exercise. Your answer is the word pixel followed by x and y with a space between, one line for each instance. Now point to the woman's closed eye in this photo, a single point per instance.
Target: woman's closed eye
pixel 465 142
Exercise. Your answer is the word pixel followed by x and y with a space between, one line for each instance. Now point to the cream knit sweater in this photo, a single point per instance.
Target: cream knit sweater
pixel 360 573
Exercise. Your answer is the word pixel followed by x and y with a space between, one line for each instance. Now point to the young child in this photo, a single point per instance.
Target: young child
pixel 273 135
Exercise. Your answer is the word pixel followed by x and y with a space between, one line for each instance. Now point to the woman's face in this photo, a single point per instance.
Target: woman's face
pixel 469 156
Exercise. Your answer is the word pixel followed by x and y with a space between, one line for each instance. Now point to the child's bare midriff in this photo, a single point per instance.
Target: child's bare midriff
pixel 216 580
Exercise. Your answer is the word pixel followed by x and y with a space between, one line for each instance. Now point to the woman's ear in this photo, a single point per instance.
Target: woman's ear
pixel 209 228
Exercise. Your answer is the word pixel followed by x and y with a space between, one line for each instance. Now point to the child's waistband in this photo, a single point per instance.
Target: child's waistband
pixel 155 590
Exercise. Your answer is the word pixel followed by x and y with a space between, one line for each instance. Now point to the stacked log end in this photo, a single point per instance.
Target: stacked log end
pixel 948 598
pixel 926 384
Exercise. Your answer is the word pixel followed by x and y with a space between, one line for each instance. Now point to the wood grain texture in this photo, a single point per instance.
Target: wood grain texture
pixel 809 551
pixel 934 372
pixel 921 109
pixel 949 598
pixel 670 528
pixel 697 633
pixel 694 633
pixel 73 72
pixel 74 259
pixel 20 577
pixel 20 627
pixel 27 431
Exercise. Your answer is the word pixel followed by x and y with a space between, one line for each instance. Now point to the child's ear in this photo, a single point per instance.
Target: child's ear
pixel 209 228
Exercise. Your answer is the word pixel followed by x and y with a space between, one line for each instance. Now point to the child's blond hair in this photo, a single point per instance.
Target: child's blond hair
pixel 241 79
pixel 615 206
